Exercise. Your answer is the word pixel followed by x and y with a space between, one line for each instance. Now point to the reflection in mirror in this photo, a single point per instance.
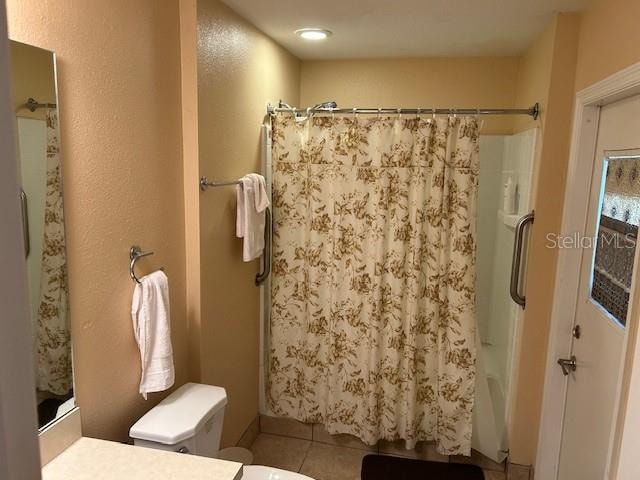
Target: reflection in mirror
pixel 38 147
pixel 617 234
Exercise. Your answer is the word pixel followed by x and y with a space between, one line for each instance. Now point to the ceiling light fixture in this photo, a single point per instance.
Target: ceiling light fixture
pixel 313 33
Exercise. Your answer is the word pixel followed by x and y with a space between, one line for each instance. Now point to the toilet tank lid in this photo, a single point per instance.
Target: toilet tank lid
pixel 180 415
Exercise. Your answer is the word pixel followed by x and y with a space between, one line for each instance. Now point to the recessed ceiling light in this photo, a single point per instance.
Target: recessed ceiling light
pixel 313 33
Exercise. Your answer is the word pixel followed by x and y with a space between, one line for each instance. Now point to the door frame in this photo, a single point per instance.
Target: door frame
pixel 623 84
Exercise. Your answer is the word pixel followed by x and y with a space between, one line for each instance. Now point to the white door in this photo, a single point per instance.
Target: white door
pixel 601 324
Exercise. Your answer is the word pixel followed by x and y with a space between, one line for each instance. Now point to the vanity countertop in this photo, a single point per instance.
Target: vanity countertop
pixel 93 459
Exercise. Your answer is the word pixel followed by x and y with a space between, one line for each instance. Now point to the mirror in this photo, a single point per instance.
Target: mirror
pixel 613 263
pixel 40 176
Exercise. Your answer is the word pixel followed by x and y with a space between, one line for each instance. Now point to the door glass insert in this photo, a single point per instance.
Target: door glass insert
pixel 617 234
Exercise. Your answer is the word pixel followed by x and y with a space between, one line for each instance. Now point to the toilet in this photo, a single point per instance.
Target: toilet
pixel 190 421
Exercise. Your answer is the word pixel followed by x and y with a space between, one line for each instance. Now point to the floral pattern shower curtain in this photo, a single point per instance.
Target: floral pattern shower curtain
pixel 53 342
pixel 372 328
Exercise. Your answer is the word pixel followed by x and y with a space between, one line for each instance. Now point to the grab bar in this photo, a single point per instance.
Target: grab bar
pixel 25 223
pixel 516 263
pixel 266 256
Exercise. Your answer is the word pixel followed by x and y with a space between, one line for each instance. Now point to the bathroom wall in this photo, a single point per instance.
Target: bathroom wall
pixel 119 86
pixel 488 82
pixel 239 70
pixel 608 40
pixel 546 75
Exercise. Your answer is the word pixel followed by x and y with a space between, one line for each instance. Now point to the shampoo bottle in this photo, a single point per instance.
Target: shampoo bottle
pixel 509 200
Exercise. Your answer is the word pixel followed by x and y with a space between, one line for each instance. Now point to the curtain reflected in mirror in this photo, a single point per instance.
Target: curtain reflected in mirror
pixel 38 147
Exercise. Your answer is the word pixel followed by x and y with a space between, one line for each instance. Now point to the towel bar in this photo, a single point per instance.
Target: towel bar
pixel 206 183
pixel 135 254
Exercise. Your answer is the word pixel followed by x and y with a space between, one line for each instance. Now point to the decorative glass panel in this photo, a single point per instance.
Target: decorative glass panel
pixel 617 235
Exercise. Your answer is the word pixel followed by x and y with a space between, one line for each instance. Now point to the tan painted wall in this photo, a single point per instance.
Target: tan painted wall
pixel 189 73
pixel 240 70
pixel 547 73
pixel 608 40
pixel 415 82
pixel 119 85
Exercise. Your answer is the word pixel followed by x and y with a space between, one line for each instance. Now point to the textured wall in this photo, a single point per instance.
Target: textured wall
pixel 119 87
pixel 240 70
pixel 547 75
pixel 487 82
pixel 608 40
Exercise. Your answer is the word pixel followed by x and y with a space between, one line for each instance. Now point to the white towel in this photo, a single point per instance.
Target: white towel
pixel 152 330
pixel 253 201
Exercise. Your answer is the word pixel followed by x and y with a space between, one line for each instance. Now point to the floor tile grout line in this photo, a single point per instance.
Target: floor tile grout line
pixel 286 436
pixel 376 450
pixel 306 454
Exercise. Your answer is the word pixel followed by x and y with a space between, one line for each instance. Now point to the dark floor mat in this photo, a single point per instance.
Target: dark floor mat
pixel 380 467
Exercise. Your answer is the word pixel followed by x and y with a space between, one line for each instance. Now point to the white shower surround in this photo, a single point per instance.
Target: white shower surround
pixel 498 316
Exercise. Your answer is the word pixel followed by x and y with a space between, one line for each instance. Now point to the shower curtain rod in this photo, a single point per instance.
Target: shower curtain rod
pixel 533 111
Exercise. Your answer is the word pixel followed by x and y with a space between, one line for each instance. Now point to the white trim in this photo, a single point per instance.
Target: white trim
pixel 625 83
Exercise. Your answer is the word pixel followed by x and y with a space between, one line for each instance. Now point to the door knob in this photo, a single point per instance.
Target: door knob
pixel 568 364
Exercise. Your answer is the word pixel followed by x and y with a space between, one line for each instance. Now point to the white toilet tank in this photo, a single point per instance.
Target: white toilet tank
pixel 188 421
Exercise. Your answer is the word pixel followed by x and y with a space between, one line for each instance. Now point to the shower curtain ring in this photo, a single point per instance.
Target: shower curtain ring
pixel 379 112
pixel 418 113
pixel 433 114
pixel 399 114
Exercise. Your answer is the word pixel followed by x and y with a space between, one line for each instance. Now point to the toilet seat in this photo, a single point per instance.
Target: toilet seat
pixel 259 472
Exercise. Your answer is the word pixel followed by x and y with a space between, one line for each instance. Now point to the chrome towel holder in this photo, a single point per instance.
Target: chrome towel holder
pixel 135 254
pixel 262 276
pixel 206 183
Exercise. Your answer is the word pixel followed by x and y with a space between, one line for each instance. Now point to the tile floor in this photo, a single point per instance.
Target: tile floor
pixel 314 455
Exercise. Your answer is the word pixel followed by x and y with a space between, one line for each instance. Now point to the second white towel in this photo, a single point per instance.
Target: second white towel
pixel 152 330
pixel 252 198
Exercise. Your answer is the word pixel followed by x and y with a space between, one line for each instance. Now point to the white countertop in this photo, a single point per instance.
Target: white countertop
pixel 93 459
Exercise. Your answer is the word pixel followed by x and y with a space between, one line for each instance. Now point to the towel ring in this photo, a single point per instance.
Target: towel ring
pixel 135 254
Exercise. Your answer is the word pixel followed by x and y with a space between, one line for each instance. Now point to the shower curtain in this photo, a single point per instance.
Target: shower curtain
pixel 53 342
pixel 372 329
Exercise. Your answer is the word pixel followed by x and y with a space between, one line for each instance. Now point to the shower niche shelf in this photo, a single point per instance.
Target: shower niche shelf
pixel 509 221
